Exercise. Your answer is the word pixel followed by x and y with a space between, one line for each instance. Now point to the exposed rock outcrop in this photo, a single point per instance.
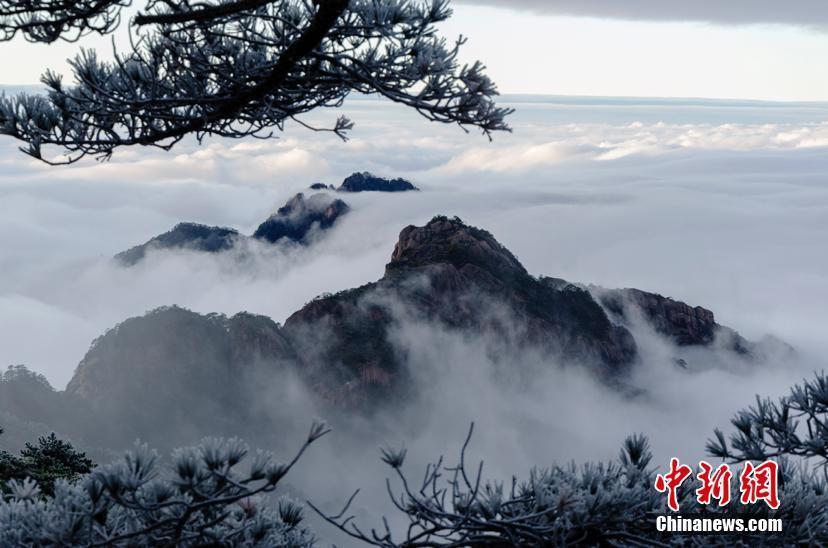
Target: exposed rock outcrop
pixel 683 324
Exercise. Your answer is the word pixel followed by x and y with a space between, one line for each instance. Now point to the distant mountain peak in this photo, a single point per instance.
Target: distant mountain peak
pixel 450 240
pixel 299 215
pixel 193 236
pixel 368 182
pixel 293 221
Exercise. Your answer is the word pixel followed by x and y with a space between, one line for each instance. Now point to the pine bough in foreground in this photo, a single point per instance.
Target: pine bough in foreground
pixel 612 504
pixel 204 501
pixel 207 502
pixel 235 69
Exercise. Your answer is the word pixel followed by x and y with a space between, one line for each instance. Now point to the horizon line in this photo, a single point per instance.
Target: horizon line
pixel 608 98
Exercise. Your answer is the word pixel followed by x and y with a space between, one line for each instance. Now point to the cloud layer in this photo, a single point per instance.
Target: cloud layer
pixel 572 196
pixel 732 12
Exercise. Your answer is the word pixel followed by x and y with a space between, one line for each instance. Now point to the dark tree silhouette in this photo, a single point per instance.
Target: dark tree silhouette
pixel 595 504
pixel 794 426
pixel 235 69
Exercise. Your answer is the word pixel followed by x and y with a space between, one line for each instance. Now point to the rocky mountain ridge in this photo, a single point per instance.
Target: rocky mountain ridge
pixel 293 222
pixel 177 368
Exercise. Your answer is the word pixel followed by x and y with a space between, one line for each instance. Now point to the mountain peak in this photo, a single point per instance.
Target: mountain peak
pixel 296 218
pixel 368 182
pixel 450 240
pixel 193 236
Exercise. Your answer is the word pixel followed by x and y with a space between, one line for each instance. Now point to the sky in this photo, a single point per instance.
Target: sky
pixel 748 49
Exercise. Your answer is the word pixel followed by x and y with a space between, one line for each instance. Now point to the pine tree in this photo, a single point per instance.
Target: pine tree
pixel 46 462
pixel 235 69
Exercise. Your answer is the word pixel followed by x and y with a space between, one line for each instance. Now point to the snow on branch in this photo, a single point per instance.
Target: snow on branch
pixel 245 68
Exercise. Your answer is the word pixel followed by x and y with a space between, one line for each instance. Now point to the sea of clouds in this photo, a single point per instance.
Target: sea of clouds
pixel 719 204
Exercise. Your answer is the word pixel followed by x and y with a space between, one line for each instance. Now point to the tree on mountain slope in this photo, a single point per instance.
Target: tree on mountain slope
pixel 203 498
pixel 46 462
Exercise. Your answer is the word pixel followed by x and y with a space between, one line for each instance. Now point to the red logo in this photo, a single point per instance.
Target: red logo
pixel 715 484
pixel 759 483
pixel 671 481
pixel 756 483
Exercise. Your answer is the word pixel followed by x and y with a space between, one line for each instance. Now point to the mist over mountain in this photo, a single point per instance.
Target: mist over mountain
pixel 174 375
pixel 192 236
pixel 298 216
pixel 684 325
pixel 293 222
pixel 461 278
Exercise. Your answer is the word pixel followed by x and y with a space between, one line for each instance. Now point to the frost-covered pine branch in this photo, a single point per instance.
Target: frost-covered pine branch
pixel 49 20
pixel 239 68
pixel 204 499
pixel 794 426
pixel 594 504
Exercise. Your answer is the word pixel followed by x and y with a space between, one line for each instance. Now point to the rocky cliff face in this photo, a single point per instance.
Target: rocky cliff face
pixel 683 324
pixel 450 241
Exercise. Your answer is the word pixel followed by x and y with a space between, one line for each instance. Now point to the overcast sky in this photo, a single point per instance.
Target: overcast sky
pixel 752 49
pixel 731 12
